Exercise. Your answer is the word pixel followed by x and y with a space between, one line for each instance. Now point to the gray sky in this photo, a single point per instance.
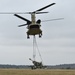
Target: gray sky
pixel 57 45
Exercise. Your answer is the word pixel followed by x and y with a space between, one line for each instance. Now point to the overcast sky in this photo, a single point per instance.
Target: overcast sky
pixel 57 45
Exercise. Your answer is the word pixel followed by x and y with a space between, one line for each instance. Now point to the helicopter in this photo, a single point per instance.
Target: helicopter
pixel 33 26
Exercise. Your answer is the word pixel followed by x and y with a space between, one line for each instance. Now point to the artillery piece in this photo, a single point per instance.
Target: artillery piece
pixel 36 64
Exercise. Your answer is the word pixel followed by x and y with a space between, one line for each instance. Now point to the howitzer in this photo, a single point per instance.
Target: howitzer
pixel 36 64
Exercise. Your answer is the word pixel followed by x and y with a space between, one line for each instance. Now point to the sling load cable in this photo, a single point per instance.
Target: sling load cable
pixel 35 46
pixel 38 51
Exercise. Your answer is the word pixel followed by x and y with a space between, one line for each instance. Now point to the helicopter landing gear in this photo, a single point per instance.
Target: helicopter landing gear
pixel 40 35
pixel 28 37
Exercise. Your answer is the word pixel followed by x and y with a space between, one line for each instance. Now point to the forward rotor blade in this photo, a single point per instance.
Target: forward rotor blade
pixel 22 25
pixel 15 12
pixel 41 12
pixel 21 18
pixel 53 19
pixel 44 7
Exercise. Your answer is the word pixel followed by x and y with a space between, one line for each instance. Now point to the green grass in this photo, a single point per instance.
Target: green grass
pixel 36 72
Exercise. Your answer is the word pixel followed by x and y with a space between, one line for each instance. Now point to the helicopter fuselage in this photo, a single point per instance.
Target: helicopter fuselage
pixel 34 29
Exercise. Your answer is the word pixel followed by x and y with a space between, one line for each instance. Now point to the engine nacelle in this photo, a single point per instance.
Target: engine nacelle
pixel 38 21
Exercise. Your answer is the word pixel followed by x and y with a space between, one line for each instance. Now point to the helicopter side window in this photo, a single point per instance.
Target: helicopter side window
pixel 34 26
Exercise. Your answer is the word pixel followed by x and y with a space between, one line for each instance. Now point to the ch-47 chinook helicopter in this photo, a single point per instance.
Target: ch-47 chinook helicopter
pixel 33 26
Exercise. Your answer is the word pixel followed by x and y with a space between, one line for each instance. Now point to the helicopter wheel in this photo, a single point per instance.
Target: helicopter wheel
pixel 28 37
pixel 40 35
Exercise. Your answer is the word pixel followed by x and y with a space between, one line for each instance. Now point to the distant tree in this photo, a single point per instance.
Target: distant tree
pixel 68 68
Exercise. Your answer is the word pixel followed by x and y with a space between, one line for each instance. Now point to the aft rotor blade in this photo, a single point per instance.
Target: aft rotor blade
pixel 22 25
pixel 53 19
pixel 21 18
pixel 44 7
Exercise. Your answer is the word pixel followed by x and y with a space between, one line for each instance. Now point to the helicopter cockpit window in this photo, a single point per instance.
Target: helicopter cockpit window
pixel 34 26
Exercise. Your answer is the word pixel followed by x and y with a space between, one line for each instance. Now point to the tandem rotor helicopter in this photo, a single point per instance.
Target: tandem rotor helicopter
pixel 33 26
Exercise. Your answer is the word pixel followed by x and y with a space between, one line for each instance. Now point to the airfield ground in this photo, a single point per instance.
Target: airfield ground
pixel 36 72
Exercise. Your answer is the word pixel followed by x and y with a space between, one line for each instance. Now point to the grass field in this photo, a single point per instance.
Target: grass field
pixel 36 72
